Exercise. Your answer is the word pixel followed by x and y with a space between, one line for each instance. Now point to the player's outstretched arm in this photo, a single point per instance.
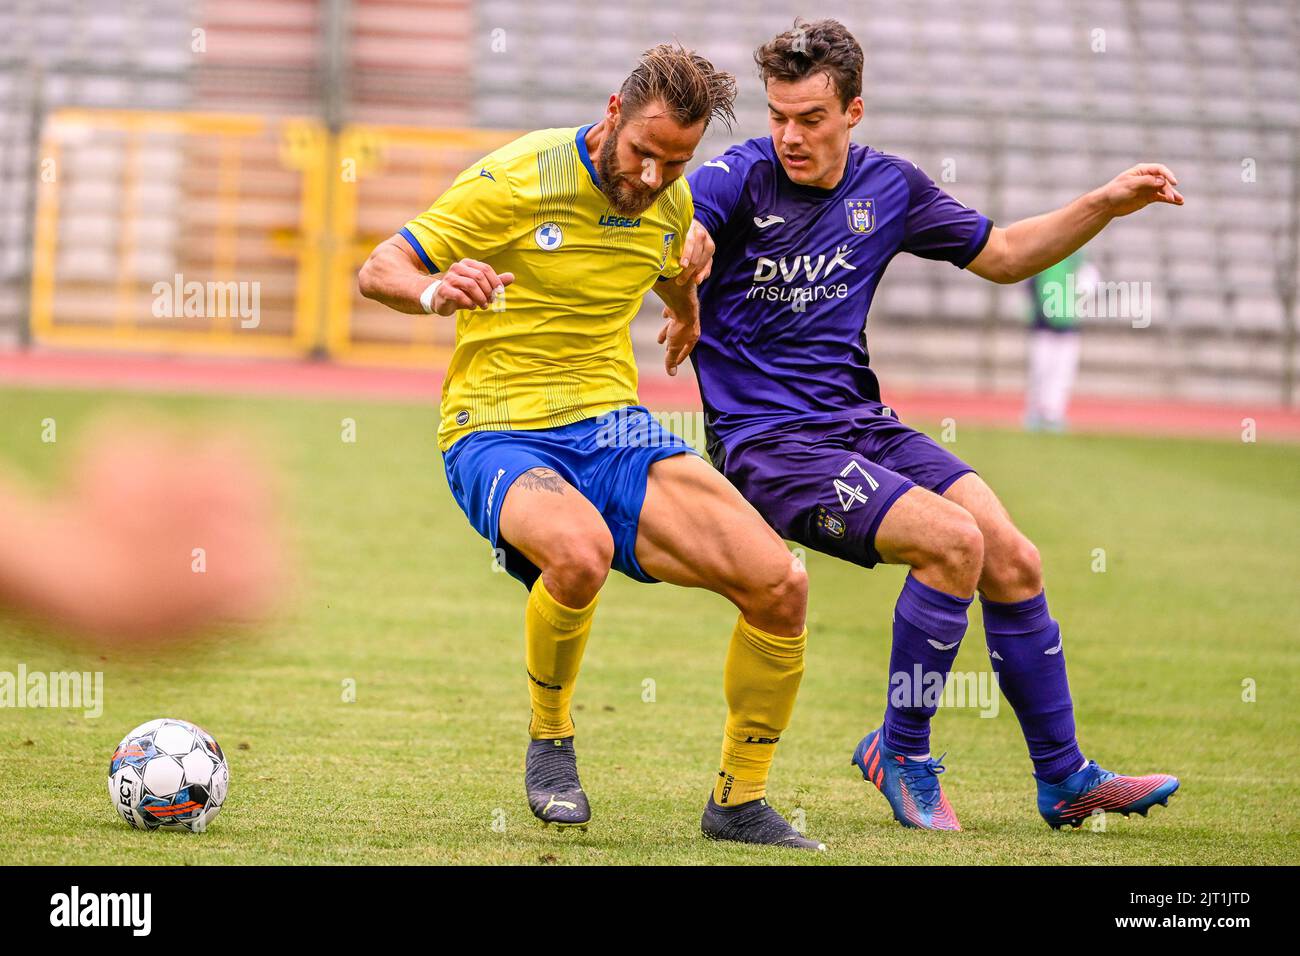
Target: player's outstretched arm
pixel 394 275
pixel 1027 247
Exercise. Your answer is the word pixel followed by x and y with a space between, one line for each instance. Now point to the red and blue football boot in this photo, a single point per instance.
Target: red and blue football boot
pixel 911 786
pixel 1094 790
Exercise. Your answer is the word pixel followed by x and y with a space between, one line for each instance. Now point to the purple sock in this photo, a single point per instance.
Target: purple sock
pixel 928 628
pixel 1027 654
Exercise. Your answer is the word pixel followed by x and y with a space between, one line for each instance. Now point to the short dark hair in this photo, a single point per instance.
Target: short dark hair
pixel 825 46
pixel 686 83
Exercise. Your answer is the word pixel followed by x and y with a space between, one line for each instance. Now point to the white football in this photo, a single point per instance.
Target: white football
pixel 168 774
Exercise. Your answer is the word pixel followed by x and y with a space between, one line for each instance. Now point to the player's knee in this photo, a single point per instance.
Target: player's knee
pixel 1017 568
pixel 791 593
pixel 777 600
pixel 963 552
pixel 578 565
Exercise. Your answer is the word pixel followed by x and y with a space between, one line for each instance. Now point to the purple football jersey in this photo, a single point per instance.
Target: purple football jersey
pixel 784 311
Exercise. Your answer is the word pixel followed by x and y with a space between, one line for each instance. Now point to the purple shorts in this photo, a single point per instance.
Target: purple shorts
pixel 828 485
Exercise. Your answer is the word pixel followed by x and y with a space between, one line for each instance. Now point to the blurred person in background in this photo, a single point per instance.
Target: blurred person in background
pixel 1054 340
pixel 154 538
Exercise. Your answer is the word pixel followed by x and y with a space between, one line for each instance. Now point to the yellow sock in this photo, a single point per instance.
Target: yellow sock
pixel 760 680
pixel 554 639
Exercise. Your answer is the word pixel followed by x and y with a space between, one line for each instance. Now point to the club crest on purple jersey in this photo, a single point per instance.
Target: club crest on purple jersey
pixel 862 215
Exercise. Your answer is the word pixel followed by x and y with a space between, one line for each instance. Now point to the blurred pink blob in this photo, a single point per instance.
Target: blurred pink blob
pixel 156 537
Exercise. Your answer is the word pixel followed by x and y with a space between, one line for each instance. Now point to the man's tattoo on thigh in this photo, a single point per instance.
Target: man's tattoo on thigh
pixel 542 479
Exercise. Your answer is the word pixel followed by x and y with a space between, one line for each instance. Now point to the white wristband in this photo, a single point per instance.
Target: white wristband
pixel 426 297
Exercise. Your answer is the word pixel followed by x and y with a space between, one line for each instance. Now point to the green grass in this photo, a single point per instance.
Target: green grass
pixel 397 593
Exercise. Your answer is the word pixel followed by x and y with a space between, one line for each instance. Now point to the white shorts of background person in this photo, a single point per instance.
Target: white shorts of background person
pixel 1053 366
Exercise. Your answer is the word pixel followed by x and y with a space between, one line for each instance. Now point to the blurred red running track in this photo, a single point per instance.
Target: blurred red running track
pixel 308 379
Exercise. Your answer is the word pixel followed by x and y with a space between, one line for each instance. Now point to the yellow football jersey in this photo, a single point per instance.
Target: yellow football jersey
pixel 560 350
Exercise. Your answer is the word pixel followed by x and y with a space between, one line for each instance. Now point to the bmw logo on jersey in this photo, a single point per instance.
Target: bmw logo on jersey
pixel 548 237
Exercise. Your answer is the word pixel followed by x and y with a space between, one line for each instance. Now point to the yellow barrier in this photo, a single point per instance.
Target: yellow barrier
pixel 155 230
pixel 389 174
pixel 136 210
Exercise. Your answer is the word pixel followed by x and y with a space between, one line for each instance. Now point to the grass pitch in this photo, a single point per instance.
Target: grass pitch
pixel 1198 598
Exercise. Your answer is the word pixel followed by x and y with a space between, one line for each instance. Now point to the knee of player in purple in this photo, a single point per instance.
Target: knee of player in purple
pixel 928 628
pixel 1028 655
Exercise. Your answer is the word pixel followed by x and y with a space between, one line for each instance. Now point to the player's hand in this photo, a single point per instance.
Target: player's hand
pixel 679 337
pixel 469 284
pixel 697 255
pixel 159 537
pixel 1140 186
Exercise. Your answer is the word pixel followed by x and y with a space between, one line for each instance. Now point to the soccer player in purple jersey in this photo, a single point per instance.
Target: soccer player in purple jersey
pixel 804 223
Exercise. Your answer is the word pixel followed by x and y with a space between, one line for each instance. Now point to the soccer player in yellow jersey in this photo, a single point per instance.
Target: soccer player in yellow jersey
pixel 543 251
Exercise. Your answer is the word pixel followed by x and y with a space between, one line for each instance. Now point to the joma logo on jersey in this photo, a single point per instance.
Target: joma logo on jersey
pixel 619 222
pixel 802 267
pixel 862 214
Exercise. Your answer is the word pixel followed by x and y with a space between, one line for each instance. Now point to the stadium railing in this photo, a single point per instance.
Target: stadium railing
pixel 164 231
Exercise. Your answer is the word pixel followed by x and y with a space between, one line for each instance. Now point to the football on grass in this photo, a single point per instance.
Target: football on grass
pixel 168 774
